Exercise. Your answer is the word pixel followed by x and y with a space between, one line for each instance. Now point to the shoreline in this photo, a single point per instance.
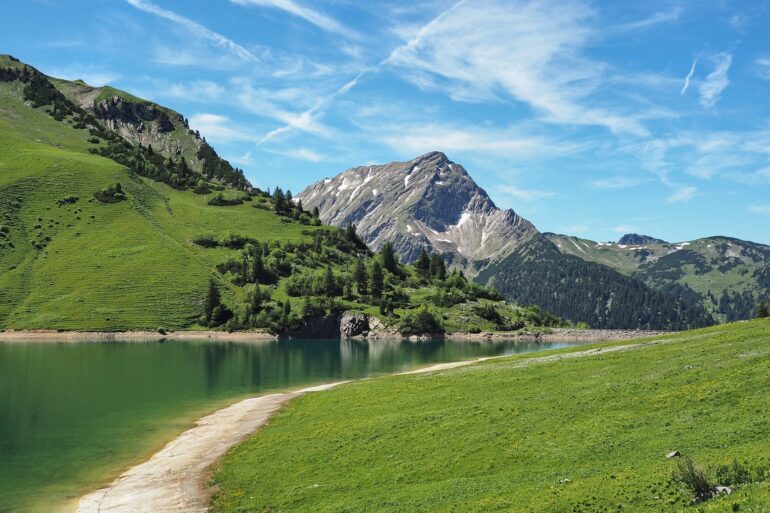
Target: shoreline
pixel 130 336
pixel 552 335
pixel 175 479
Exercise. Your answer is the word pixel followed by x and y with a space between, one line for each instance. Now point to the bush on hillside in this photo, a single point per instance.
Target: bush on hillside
pixel 422 322
pixel 112 194
pixel 220 201
pixel 692 477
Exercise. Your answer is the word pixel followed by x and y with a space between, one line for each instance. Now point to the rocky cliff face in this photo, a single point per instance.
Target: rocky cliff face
pixel 428 202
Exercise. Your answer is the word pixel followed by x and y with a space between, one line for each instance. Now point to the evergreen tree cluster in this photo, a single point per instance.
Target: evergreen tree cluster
pixel 581 291
pixel 332 267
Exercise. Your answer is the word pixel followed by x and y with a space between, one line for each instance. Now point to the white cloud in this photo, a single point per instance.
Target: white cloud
pixel 195 28
pixel 624 228
pixel 197 91
pixel 316 18
pixel 682 194
pixel 655 19
pixel 218 128
pixel 509 142
pixel 763 67
pixel 523 194
pixel 687 79
pixel 618 182
pixel 306 154
pixel 760 209
pixel 307 121
pixel 716 82
pixel 528 50
pixel 576 228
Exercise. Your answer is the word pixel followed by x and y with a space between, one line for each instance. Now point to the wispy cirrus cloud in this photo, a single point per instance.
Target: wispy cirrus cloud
pixel 312 16
pixel 541 43
pixel 717 81
pixel 669 16
pixel 688 78
pixel 619 182
pixel 195 28
pixel 760 209
pixel 417 138
pixel 523 194
pixel 218 128
pixel 682 194
pixel 763 67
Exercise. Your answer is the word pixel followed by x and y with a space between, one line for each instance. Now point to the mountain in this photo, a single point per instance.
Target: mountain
pixel 429 202
pixel 114 215
pixel 727 276
pixel 635 239
pixel 433 203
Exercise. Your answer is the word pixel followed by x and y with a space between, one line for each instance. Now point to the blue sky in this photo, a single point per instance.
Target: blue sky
pixel 589 118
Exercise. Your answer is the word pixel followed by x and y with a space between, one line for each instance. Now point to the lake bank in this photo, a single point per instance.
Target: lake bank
pixel 174 480
pixel 551 335
pixel 80 414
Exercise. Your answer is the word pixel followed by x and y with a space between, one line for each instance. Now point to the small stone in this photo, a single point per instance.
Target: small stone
pixel 674 454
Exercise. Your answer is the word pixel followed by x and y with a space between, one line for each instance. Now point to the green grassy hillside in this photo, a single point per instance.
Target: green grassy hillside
pixel 100 232
pixel 525 434
pixel 93 265
pixel 727 276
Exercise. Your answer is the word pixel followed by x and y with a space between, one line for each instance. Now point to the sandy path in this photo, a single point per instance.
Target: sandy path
pixel 174 479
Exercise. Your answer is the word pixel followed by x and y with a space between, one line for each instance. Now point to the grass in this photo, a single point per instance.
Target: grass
pixel 93 266
pixel 581 434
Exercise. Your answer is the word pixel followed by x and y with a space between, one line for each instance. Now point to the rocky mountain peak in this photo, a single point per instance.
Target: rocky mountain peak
pixel 633 239
pixel 428 202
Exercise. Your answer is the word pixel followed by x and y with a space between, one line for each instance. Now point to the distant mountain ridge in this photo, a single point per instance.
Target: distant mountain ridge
pixel 728 276
pixel 431 202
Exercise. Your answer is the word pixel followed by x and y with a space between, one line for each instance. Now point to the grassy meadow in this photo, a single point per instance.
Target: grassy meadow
pixel 584 434
pixel 95 266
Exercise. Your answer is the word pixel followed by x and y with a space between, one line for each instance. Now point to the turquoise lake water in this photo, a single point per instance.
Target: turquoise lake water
pixel 75 415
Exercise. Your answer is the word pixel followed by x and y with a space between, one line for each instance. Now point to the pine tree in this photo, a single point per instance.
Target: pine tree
pixel 437 267
pixel 280 200
pixel 422 264
pixel 360 277
pixel 377 281
pixel 389 260
pixel 286 313
pixel 316 212
pixel 762 310
pixel 257 266
pixel 212 301
pixel 329 286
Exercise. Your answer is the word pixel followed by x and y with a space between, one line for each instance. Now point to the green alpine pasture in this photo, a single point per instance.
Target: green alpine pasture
pixel 87 265
pixel 525 434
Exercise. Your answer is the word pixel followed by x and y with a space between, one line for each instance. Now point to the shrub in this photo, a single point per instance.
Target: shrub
pixel 733 474
pixel 69 200
pixel 488 312
pixel 692 478
pixel 111 194
pixel 422 322
pixel 206 241
pixel 220 201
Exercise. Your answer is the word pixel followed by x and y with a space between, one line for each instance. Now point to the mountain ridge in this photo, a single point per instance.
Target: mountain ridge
pixel 428 202
pixel 433 203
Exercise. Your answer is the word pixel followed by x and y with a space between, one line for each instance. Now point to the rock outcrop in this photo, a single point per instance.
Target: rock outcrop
pixel 354 324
